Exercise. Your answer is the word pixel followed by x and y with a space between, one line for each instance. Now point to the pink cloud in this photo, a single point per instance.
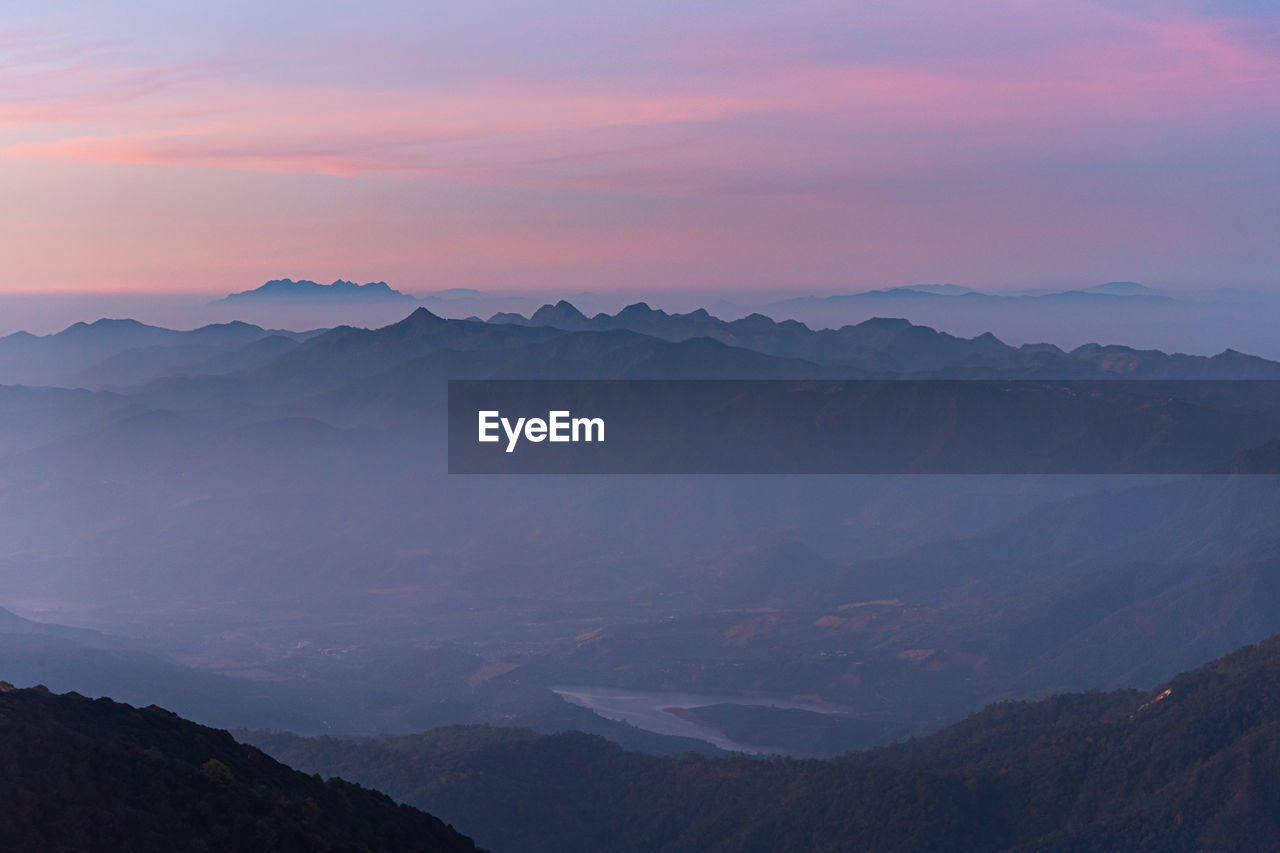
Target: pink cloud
pixel 731 146
pixel 1171 69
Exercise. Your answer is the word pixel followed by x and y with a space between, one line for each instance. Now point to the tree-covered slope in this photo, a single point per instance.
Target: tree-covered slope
pixel 94 775
pixel 1193 765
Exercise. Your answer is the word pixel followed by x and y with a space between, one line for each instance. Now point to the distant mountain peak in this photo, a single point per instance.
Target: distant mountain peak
pixel 561 315
pixel 935 289
pixel 756 320
pixel 639 309
pixel 421 317
pixel 106 328
pixel 235 327
pixel 1120 287
pixel 456 293
pixel 303 289
pixel 886 323
pixel 107 323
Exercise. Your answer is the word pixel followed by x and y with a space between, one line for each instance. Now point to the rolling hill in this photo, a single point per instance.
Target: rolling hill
pixel 1190 765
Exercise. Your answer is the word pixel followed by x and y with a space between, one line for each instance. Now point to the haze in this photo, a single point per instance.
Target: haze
pixel 249 247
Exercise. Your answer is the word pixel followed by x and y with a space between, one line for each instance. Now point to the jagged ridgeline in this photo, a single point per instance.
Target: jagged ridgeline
pixel 87 775
pixel 888 346
pixel 288 290
pixel 560 341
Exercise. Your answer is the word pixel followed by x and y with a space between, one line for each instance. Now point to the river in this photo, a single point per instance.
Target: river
pixel 646 710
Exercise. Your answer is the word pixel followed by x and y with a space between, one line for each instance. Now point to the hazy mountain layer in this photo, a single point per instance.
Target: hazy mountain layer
pixel 289 527
pixel 886 346
pixel 288 290
pixel 126 352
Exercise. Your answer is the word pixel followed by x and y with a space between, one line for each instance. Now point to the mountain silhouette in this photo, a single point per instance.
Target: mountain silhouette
pixel 288 290
pixel 94 775
pixel 894 346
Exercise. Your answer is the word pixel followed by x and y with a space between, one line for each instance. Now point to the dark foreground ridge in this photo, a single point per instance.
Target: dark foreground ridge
pixel 1192 765
pixel 86 775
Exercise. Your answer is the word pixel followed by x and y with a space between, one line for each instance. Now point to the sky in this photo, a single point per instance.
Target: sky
pixel 806 145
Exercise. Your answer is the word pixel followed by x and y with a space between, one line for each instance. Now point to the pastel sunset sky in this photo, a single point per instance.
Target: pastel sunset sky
pixel 595 144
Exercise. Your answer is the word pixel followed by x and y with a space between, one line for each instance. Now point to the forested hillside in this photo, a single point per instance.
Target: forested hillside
pixel 1192 765
pixel 87 775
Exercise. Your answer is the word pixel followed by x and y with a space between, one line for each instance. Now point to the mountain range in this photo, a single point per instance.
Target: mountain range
pixel 286 533
pixel 558 340
pixel 882 346
pixel 1109 293
pixel 1193 764
pixel 109 353
pixel 288 290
